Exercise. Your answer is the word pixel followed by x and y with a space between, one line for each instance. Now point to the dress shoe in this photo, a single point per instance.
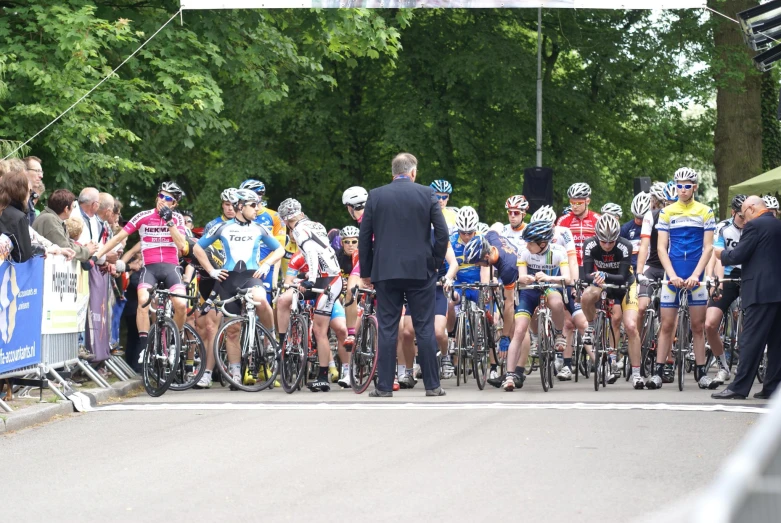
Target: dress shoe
pixel 727 394
pixel 762 395
pixel 380 394
pixel 436 392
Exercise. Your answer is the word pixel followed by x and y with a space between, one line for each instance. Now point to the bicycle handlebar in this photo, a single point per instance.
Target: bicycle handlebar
pixel 166 292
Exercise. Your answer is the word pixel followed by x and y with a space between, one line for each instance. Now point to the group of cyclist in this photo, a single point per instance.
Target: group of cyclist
pixel 573 261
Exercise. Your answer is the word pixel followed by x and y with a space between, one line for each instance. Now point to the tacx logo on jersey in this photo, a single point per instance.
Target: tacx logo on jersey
pixel 237 238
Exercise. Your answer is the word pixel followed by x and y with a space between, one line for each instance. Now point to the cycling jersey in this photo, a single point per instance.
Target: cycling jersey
pixel 581 229
pixel 614 263
pixel 242 242
pixel 727 236
pixel 312 238
pixel 219 219
pixel 550 262
pixel 648 230
pixel 632 231
pixel 515 236
pixel 157 244
pixel 467 272
pixel 686 223
pixel 297 266
pixel 450 219
pixel 507 263
pixel 563 237
pixel 270 220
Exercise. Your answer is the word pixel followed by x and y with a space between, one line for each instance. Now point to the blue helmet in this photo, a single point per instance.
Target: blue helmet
pixel 537 232
pixel 476 250
pixel 670 194
pixel 256 186
pixel 442 186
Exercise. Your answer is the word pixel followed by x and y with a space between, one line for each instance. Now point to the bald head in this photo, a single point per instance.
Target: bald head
pixel 753 207
pixel 89 200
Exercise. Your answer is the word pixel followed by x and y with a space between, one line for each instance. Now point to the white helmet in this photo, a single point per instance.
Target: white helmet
pixel 641 204
pixel 349 232
pixel 517 201
pixel 228 195
pixel 770 201
pixel 467 219
pixel 607 228
pixel 657 191
pixel 684 174
pixel 288 208
pixel 579 191
pixel 612 208
pixel 355 197
pixel 482 228
pixel 544 214
pixel 245 195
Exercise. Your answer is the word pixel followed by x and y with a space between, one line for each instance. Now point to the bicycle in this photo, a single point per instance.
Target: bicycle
pixel 546 337
pixel 364 356
pixel 471 342
pixel 161 356
pixel 650 330
pixel 603 333
pixel 192 360
pixel 259 349
pixel 682 347
pixel 731 323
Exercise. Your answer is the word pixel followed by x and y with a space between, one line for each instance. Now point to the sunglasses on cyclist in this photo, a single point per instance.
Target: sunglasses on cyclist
pixel 577 202
pixel 166 198
pixel 442 196
pixel 350 242
pixel 514 213
pixel 188 220
pixel 357 207
pixel 685 185
pixel 254 205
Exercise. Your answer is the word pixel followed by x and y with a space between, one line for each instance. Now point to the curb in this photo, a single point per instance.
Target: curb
pixel 41 413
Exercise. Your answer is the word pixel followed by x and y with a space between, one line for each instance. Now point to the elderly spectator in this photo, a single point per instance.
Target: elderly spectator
pixel 14 195
pixel 51 224
pixel 94 229
pixel 34 173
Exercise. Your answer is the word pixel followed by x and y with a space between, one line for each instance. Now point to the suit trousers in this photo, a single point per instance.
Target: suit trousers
pixel 761 326
pixel 421 297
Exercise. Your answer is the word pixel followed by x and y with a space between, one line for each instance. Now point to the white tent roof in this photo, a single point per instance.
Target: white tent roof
pixel 558 4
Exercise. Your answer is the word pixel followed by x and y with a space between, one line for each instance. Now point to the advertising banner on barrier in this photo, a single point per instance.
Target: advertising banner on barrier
pixel 65 296
pixel 21 302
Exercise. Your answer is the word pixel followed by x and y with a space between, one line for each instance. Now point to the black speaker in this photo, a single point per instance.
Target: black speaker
pixel 538 187
pixel 642 184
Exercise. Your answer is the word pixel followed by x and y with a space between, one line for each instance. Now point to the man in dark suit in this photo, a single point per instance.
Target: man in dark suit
pixel 758 253
pixel 397 256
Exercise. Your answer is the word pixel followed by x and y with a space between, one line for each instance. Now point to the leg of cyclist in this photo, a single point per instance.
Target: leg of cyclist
pixel 351 311
pixel 697 315
pixel 406 353
pixel 206 326
pixel 630 319
pixel 142 321
pixel 339 327
pixel 667 315
pixel 518 352
pixel 324 304
pixel 713 317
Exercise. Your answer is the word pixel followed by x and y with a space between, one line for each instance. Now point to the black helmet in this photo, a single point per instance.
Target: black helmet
pixel 737 202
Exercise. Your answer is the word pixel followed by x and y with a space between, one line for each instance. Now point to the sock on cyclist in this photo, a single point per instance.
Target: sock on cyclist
pixel 520 370
pixel 660 369
pixel 351 331
pixel 723 362
pixel 635 372
pixel 401 370
pixel 568 363
pixel 700 372
pixel 322 374
pixel 493 367
pixel 282 336
pixel 345 369
pixel 142 339
pixel 235 368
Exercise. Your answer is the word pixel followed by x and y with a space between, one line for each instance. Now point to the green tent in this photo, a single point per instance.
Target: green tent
pixel 766 183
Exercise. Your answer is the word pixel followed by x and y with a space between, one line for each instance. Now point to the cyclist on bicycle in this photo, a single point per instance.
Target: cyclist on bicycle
pixel 442 191
pixel 516 207
pixel 685 246
pixel 727 236
pixel 580 221
pixel 312 239
pixel 163 235
pixel 633 229
pixel 270 220
pixel 547 262
pixel 771 202
pixel 607 258
pixel 242 239
pixel 355 200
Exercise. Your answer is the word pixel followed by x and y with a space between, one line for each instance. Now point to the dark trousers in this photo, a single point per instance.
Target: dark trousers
pixel 761 326
pixel 131 343
pixel 420 296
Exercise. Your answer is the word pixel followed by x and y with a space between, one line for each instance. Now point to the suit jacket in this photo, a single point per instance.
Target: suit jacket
pixel 51 227
pixel 758 252
pixel 395 238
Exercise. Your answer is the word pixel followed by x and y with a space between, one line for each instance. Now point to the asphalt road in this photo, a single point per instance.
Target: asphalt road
pixel 613 455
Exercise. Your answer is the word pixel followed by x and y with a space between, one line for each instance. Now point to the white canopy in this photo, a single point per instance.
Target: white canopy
pixel 557 4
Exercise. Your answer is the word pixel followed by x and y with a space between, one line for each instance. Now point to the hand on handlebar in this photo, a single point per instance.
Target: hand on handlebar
pixel 677 281
pixel 447 284
pixel 641 279
pixel 599 277
pixel 262 271
pixel 691 282
pixel 540 276
pixel 219 274
pixel 306 285
pixel 527 279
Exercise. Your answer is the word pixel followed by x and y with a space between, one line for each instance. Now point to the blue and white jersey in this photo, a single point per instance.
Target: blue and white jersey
pixel 467 272
pixel 727 236
pixel 242 243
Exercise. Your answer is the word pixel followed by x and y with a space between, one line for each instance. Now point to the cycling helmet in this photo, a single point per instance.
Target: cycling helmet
pixel 517 202
pixel 607 228
pixel 173 189
pixel 246 195
pixel 544 214
pixel 670 194
pixel 641 204
pixel 350 231
pixel 657 190
pixel 289 208
pixel 537 232
pixel 684 174
pixel 566 210
pixel 441 186
pixel 467 219
pixel 579 191
pixel 612 208
pixel 482 228
pixel 228 195
pixel 476 250
pixel 770 201
pixel 737 202
pixel 254 185
pixel 355 197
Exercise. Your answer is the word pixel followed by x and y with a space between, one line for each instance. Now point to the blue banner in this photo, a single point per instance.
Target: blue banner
pixel 21 308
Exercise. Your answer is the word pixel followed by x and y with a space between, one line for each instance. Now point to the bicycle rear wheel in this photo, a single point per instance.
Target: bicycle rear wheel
pixel 161 357
pixel 192 360
pixel 681 346
pixel 762 369
pixel 543 354
pixel 363 359
pixel 480 350
pixel 598 349
pixel 293 354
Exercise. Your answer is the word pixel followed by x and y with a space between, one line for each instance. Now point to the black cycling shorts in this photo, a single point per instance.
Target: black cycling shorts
pixel 652 273
pixel 235 282
pixel 168 274
pixel 729 293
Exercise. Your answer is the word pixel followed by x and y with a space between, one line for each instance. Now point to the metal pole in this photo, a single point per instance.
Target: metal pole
pixel 539 87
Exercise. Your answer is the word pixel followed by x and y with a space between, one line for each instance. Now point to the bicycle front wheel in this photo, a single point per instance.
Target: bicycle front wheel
pixel 680 346
pixel 192 360
pixel 363 359
pixel 257 367
pixel 161 357
pixel 480 350
pixel 294 354
pixel 598 349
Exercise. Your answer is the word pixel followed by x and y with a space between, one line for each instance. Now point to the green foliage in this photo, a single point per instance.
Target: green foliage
pixel 771 129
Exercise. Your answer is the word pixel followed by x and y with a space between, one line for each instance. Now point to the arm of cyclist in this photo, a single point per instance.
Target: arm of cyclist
pixel 128 255
pixel 524 278
pixel 749 242
pixel 109 246
pixel 200 254
pixel 664 258
pixel 176 228
pixel 271 259
pixel 452 268
pixel 623 273
pixel 707 248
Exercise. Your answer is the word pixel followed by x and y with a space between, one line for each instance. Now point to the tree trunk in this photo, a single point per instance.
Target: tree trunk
pixel 738 137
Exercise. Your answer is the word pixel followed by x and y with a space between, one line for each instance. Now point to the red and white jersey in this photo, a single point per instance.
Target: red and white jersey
pixel 157 245
pixel 312 240
pixel 581 228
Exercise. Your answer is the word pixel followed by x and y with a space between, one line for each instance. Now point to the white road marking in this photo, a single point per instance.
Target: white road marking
pixel 432 406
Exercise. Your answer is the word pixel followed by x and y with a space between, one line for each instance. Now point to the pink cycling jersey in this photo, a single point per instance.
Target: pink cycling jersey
pixel 157 245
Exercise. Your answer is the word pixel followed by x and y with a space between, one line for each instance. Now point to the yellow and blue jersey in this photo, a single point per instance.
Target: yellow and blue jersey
pixel 269 218
pixel 686 223
pixel 467 272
